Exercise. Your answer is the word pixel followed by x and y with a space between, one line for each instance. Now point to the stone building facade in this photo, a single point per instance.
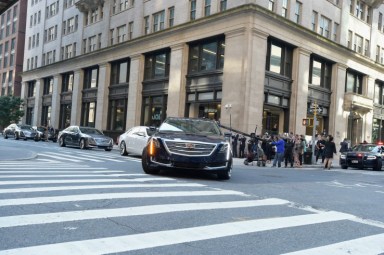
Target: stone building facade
pixel 266 63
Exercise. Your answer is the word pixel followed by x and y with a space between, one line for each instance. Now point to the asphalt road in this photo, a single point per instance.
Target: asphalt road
pixel 57 200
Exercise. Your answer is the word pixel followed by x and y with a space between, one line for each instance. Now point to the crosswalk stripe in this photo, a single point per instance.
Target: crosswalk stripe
pixel 98 157
pixel 85 181
pixel 369 245
pixel 65 175
pixel 86 187
pixel 68 157
pixel 133 242
pixel 59 171
pixel 23 220
pixel 50 167
pixel 59 157
pixel 89 197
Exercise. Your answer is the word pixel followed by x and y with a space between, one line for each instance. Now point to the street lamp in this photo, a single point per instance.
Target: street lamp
pixel 228 107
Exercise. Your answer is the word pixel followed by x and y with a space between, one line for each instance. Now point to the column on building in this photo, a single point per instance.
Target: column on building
pixel 299 95
pixel 177 81
pixel 338 114
pixel 134 91
pixel 77 96
pixel 102 96
pixel 38 103
pixel 55 111
pixel 243 79
pixel 23 95
pixel 369 86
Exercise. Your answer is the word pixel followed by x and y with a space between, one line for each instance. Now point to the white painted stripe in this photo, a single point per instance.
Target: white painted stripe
pixel 59 171
pixel 115 186
pixel 58 157
pixel 23 220
pixel 85 181
pixel 49 160
pixel 98 157
pixel 49 167
pixel 88 197
pixel 127 243
pixel 90 152
pixel 64 175
pixel 369 245
pixel 67 157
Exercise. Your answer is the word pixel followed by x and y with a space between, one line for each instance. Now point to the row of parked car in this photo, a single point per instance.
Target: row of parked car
pixel 25 132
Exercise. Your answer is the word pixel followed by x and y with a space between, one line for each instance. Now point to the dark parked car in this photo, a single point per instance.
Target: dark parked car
pixel 84 137
pixel 19 131
pixel 363 156
pixel 184 143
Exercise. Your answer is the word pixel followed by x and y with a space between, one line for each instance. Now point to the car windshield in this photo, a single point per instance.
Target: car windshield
pixel 190 126
pixel 90 131
pixel 27 127
pixel 364 148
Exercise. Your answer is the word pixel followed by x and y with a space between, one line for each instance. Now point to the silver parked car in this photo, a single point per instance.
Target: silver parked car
pixel 134 140
pixel 20 131
pixel 84 137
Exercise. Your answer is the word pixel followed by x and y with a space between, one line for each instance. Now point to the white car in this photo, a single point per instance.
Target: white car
pixel 134 140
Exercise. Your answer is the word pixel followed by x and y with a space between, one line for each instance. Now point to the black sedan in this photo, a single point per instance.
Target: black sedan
pixel 363 156
pixel 184 143
pixel 19 131
pixel 84 137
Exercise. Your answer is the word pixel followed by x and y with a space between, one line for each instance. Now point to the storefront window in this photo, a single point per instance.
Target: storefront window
pixel 48 86
pixel 117 114
pixel 65 115
pixel 67 82
pixel 90 78
pixel 275 61
pixel 89 114
pixel 210 111
pixel 154 110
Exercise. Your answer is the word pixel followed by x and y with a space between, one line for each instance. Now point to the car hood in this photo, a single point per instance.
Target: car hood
pixel 190 137
pixel 95 136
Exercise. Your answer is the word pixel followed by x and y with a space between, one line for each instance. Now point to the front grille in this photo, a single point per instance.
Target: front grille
pixel 190 148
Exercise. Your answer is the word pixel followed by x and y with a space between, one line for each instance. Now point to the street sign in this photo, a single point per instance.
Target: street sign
pixel 315 107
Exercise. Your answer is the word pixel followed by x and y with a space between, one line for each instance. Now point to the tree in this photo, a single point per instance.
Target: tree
pixel 10 110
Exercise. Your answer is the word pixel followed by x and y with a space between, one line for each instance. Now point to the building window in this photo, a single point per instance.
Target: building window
pixel 130 30
pixel 359 10
pixel 271 5
pixel 279 58
pixel 206 56
pixel 31 89
pixel 377 53
pixel 207 8
pixel 192 15
pixel 314 21
pixel 155 110
pixel 320 73
pixel 88 114
pixel 354 82
pixel 117 114
pixel 223 5
pixel 67 82
pixel 121 34
pixel 379 93
pixel 324 26
pixel 298 11
pixel 335 32
pixel 146 25
pixel 358 45
pixel 92 43
pixel 366 48
pixel 350 39
pixel 120 72
pixel 48 86
pixel 91 77
pixel 284 9
pixel 158 21
pixel 171 16
pixel 157 65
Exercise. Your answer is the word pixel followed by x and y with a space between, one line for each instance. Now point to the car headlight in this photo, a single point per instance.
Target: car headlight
pixel 153 145
pixel 371 157
pixel 225 148
pixel 343 156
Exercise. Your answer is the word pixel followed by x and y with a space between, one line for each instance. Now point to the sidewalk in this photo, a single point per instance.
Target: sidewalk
pixel 12 154
pixel 335 163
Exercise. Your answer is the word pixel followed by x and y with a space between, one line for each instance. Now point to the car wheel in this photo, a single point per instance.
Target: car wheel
pixel 107 149
pixel 145 163
pixel 344 166
pixel 61 142
pixel 123 149
pixel 17 136
pixel 5 136
pixel 226 174
pixel 379 165
pixel 82 144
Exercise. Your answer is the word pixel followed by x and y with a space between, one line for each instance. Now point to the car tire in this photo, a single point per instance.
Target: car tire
pixel 344 166
pixel 378 167
pixel 107 149
pixel 145 163
pixel 123 149
pixel 61 142
pixel 226 174
pixel 82 144
pixel 5 136
pixel 17 136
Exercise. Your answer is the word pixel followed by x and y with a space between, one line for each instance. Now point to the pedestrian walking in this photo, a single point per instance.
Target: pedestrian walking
pixel 329 150
pixel 298 151
pixel 320 149
pixel 288 152
pixel 343 146
pixel 242 141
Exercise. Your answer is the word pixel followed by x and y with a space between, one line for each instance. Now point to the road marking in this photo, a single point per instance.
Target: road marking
pixel 115 186
pixel 68 157
pixel 59 157
pixel 60 171
pixel 48 167
pixel 133 242
pixel 98 157
pixel 66 175
pixel 89 197
pixel 85 180
pixel 369 245
pixel 23 220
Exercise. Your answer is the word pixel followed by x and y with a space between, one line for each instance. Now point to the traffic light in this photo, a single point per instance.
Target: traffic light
pixel 305 122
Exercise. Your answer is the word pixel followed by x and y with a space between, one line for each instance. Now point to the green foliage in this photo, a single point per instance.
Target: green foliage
pixel 10 110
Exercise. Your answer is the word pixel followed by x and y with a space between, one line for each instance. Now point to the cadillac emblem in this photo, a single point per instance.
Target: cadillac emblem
pixel 189 146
